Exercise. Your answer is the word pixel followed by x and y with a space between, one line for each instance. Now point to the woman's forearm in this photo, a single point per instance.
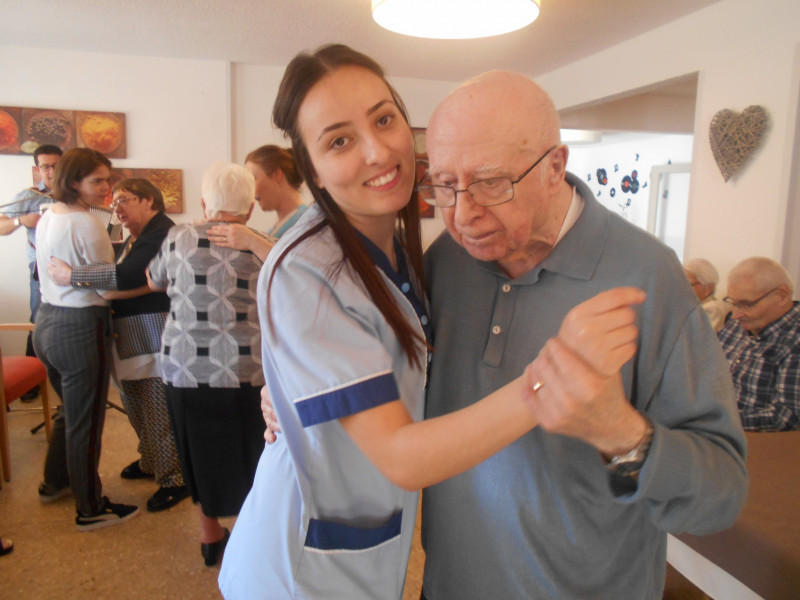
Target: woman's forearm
pixel 415 455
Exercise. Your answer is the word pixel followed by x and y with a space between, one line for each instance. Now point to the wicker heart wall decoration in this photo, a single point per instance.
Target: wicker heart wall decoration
pixel 735 136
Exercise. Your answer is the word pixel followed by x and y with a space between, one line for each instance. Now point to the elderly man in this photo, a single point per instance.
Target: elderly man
pixel 703 278
pixel 762 343
pixel 580 506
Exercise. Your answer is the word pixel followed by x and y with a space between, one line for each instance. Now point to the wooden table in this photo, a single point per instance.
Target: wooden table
pixel 762 549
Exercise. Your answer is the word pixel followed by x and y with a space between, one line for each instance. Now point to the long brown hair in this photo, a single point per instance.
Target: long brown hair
pixel 302 74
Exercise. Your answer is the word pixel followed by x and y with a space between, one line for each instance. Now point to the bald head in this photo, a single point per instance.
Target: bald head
pixel 501 105
pixel 761 273
pixel 497 126
pixel 761 292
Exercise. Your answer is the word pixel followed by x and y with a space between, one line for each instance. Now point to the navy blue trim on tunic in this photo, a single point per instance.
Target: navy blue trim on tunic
pixel 401 278
pixel 349 400
pixel 327 535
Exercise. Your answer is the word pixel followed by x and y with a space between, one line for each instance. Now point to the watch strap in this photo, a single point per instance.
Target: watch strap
pixel 630 464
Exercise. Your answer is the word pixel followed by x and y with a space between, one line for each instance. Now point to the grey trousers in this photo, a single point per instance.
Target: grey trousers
pixel 75 346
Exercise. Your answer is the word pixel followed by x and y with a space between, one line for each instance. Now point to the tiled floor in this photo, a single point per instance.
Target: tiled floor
pixel 152 556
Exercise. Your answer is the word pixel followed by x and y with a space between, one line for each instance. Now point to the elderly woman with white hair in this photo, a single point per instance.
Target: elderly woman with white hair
pixel 703 277
pixel 211 354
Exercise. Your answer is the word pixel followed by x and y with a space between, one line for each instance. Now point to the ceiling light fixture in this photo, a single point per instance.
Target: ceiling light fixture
pixel 454 19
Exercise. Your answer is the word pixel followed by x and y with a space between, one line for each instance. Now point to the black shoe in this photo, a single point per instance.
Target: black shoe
pixel 167 497
pixel 134 471
pixel 31 395
pixel 211 552
pixel 110 514
pixel 6 546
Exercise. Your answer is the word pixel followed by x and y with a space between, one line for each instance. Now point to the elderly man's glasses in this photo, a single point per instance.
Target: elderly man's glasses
pixel 484 192
pixel 122 201
pixel 745 304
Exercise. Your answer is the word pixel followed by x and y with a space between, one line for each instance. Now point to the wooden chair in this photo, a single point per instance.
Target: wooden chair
pixel 18 375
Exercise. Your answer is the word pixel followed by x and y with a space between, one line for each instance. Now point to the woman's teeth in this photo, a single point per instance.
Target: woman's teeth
pixel 383 179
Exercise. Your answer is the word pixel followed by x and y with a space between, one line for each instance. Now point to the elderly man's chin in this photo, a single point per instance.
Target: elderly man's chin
pixel 747 324
pixel 489 247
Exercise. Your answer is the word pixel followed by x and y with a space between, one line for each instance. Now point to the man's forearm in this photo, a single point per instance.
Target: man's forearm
pixel 7 225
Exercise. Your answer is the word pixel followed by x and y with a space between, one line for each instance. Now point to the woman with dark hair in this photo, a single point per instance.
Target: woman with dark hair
pixel 278 184
pixel 138 319
pixel 73 339
pixel 346 334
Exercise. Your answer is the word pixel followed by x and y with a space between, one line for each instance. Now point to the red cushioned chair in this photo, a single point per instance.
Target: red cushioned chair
pixel 18 375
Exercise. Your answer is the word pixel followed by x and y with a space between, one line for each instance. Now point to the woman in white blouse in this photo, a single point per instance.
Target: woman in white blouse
pixel 73 339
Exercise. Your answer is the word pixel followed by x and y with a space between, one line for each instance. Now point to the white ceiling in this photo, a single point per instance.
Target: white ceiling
pixel 272 31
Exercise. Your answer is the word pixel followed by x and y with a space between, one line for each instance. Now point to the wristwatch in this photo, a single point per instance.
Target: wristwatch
pixel 630 464
pixel 16 222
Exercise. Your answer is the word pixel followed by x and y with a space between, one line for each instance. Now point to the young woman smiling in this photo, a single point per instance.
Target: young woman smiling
pixel 345 348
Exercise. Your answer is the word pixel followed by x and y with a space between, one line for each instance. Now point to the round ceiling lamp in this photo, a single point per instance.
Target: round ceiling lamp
pixel 454 19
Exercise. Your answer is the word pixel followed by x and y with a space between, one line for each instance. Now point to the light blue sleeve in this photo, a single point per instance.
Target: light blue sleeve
pixel 326 345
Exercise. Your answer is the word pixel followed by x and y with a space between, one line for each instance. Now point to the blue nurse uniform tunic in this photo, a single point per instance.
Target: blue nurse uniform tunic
pixel 321 521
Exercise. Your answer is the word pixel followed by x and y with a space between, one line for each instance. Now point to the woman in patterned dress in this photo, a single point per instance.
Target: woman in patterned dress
pixel 211 354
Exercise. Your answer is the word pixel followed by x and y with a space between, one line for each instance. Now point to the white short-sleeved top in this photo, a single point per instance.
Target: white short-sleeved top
pixel 77 238
pixel 321 521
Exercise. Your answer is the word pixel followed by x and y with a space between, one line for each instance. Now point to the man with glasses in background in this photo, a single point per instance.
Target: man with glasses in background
pixel 25 211
pixel 579 507
pixel 762 343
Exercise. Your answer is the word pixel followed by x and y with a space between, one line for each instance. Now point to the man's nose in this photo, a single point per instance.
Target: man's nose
pixel 466 209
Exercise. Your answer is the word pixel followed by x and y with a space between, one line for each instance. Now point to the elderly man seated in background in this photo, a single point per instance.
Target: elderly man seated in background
pixel 704 277
pixel 762 343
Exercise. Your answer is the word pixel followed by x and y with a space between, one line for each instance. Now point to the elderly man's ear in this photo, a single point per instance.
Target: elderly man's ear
pixel 785 293
pixel 558 165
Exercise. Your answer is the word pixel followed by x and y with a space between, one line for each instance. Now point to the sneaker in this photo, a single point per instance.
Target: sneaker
pixel 48 494
pixel 111 514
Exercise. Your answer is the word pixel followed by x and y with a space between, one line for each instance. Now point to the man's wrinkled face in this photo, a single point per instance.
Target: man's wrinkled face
pixel 753 306
pixel 488 233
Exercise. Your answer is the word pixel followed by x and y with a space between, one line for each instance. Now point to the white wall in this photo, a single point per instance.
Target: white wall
pixel 186 114
pixel 641 154
pixel 180 114
pixel 176 114
pixel 745 53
